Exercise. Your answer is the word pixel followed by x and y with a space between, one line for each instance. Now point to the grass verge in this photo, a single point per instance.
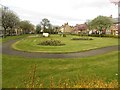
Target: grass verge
pixel 31 44
pixel 15 69
pixel 13 37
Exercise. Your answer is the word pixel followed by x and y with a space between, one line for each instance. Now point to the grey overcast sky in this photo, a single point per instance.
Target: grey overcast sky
pixel 61 11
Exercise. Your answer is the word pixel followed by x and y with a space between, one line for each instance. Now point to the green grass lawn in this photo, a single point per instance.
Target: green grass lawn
pixel 13 37
pixel 0 70
pixel 31 44
pixel 15 68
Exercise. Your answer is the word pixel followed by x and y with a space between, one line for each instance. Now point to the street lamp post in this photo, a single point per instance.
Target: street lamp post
pixel 116 2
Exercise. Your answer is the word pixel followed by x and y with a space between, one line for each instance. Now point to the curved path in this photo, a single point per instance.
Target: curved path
pixel 7 49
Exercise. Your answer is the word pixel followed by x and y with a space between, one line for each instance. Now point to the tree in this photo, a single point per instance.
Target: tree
pixel 26 26
pixel 10 21
pixel 89 24
pixel 50 29
pixel 45 24
pixel 38 28
pixel 56 29
pixel 101 23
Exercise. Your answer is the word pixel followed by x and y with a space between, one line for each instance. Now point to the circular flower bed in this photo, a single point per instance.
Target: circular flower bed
pixel 81 39
pixel 51 43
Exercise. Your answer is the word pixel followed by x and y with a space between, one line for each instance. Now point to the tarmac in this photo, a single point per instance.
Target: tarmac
pixel 7 49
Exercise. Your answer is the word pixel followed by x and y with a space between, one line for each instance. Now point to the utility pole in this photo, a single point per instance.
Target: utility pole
pixel 117 2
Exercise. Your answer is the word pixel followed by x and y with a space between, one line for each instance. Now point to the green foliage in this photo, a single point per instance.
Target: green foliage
pixel 55 29
pixel 98 35
pixel 104 35
pixel 46 25
pixel 26 26
pixel 82 38
pixel 9 21
pixel 38 28
pixel 89 24
pixel 51 43
pixel 100 23
pixel 64 35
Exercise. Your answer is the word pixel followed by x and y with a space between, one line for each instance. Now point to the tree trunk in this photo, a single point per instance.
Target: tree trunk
pixel 4 32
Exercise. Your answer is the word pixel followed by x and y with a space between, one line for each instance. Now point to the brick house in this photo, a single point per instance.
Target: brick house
pixel 80 29
pixel 115 28
pixel 66 28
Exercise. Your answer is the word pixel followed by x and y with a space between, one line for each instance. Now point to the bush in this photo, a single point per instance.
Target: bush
pixel 51 43
pixel 81 39
pixel 64 35
pixel 98 35
pixel 104 35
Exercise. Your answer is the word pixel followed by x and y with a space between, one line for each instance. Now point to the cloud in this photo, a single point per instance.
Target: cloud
pixel 92 4
pixel 61 11
pixel 38 16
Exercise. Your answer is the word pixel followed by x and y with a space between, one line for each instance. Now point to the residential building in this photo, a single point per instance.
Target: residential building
pixel 80 29
pixel 66 28
pixel 115 30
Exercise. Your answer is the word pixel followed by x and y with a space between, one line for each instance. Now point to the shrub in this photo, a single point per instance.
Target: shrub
pixel 104 35
pixel 82 38
pixel 98 35
pixel 64 35
pixel 51 43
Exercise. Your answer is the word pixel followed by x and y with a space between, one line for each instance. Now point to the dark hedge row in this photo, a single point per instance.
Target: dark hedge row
pixel 51 43
pixel 82 38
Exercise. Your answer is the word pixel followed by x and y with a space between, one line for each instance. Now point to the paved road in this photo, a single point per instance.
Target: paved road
pixel 7 49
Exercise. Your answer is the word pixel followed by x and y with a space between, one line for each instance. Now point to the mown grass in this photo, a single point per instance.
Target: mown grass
pixel 15 69
pixel 13 37
pixel 0 69
pixel 31 44
pixel 32 81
